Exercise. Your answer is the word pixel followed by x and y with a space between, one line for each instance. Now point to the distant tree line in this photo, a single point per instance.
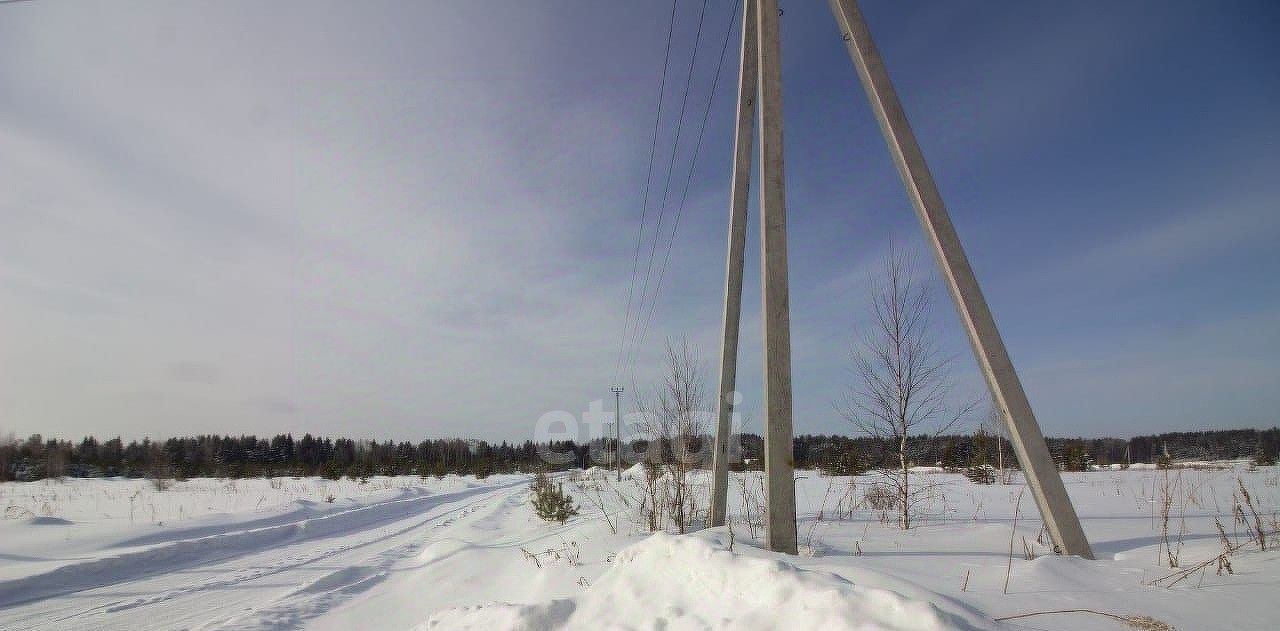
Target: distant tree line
pixel 252 456
pixel 846 454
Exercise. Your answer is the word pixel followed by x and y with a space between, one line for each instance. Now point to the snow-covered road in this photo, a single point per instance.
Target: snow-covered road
pixel 274 572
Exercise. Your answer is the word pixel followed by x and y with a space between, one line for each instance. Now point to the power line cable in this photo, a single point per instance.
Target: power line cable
pixel 644 205
pixel 706 116
pixel 662 208
pixel 688 180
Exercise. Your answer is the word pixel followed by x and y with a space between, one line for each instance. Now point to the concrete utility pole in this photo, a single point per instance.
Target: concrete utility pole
pixel 741 184
pixel 760 73
pixel 1006 390
pixel 617 429
pixel 779 462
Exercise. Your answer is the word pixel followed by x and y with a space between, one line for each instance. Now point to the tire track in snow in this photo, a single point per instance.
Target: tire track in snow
pixel 249 551
pixel 334 588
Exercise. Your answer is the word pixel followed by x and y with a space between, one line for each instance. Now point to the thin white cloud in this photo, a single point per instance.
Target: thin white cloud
pixel 299 199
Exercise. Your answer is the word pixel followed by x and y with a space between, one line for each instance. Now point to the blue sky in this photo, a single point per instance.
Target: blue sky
pixel 403 220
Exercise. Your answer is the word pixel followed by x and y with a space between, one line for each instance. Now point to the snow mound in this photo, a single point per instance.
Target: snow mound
pixel 677 582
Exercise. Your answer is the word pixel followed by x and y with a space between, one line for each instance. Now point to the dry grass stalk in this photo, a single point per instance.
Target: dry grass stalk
pixel 1223 562
pixel 752 504
pixel 1168 490
pixel 1133 621
pixel 1017 509
pixel 590 489
pixel 1170 580
pixel 1259 532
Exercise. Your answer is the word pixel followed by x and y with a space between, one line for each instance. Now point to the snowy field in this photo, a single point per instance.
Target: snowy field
pixel 460 553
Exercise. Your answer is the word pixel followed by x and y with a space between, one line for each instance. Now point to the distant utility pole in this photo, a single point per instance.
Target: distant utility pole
pixel 1006 389
pixel 617 429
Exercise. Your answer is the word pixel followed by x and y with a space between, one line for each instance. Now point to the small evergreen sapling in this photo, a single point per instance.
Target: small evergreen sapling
pixel 549 500
pixel 1264 459
pixel 980 471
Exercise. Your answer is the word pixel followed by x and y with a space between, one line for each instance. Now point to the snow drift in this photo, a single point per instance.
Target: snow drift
pixel 671 582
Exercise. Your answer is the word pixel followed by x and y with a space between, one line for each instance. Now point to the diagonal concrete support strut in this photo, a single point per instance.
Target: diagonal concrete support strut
pixel 1006 390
